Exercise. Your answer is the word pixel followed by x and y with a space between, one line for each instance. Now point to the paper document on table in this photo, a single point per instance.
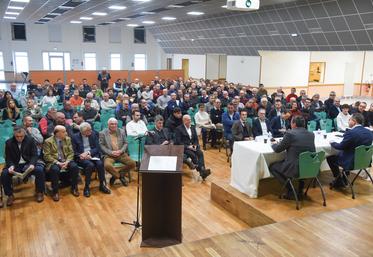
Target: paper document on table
pixel 95 159
pixel 165 163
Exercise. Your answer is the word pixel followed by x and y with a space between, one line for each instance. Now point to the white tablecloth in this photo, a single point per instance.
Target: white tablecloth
pixel 250 161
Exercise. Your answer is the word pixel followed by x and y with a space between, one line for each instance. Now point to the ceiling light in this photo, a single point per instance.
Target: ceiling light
pixel 141 1
pixel 175 6
pixel 21 1
pixel 132 25
pixel 86 18
pixel 168 18
pixel 147 12
pixel 15 7
pixel 124 19
pixel 65 7
pixel 195 13
pixel 99 13
pixel 148 22
pixel 54 13
pixel 12 13
pixel 75 22
pixel 10 17
pixel 117 7
pixel 294 35
pixel 224 6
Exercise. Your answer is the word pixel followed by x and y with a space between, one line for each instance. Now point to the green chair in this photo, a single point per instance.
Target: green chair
pixel 109 111
pixel 150 126
pixel 97 126
pixel 327 125
pixel 192 113
pixel 320 115
pixel 362 161
pixel 7 124
pixel 133 148
pixel 120 124
pixel 6 133
pixel 119 166
pixel 2 150
pixel 309 168
pixel 250 121
pixel 19 122
pixel 311 126
pixel 336 124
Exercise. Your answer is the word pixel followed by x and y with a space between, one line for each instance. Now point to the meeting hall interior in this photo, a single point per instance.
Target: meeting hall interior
pixel 186 128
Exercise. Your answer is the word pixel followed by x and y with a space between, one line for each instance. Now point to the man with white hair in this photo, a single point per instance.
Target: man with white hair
pixel 87 155
pixel 107 103
pixel 94 103
pixel 163 100
pixel 113 145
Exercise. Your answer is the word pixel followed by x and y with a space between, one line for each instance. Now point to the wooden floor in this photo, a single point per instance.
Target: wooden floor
pixel 348 232
pixel 91 227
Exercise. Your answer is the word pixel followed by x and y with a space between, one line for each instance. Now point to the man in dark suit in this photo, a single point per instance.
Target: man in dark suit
pixel 241 129
pixel 174 121
pixel 159 135
pixel 21 156
pixel 87 155
pixel 295 141
pixel 334 109
pixel 356 136
pixel 186 135
pixel 280 124
pixel 261 125
pixel 276 111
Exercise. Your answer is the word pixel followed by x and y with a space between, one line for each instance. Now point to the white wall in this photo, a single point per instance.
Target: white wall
pixel 212 66
pixel 288 69
pixel 72 41
pixel 197 64
pixel 368 67
pixel 243 69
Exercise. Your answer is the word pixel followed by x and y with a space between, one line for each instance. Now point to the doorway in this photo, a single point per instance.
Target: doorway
pixel 185 67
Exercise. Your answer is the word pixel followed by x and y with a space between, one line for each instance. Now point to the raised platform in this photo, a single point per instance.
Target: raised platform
pixel 347 232
pixel 268 208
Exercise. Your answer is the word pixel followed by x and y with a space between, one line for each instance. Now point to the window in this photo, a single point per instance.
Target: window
pixel 90 61
pixel 140 62
pixel 2 74
pixel 21 62
pixel 139 35
pixel 115 61
pixel 89 34
pixel 18 31
pixel 56 61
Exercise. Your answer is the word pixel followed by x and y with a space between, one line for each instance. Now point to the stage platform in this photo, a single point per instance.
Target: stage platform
pixel 347 232
pixel 268 208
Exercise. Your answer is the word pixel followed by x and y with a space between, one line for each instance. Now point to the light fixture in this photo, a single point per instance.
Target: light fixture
pixel 11 13
pixel 148 22
pixel 224 6
pixel 10 17
pixel 15 7
pixel 132 25
pixel 86 18
pixel 141 1
pixel 175 6
pixel 168 18
pixel 117 7
pixel 75 22
pixel 65 7
pixel 147 12
pixel 294 35
pixel 195 13
pixel 54 13
pixel 99 13
pixel 20 1
pixel 124 19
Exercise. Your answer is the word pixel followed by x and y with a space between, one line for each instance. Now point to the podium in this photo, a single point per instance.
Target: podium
pixel 161 170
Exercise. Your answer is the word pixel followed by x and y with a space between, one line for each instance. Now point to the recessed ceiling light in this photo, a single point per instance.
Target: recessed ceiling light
pixel 132 25
pixel 65 7
pixel 147 12
pixel 175 6
pixel 294 35
pixel 142 1
pixel 54 13
pixel 224 6
pixel 124 19
pixel 15 7
pixel 99 13
pixel 168 18
pixel 12 13
pixel 21 1
pixel 86 18
pixel 148 22
pixel 117 7
pixel 47 18
pixel 195 13
pixel 10 17
pixel 75 22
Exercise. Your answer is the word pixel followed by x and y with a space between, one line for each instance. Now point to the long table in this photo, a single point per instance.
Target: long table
pixel 251 161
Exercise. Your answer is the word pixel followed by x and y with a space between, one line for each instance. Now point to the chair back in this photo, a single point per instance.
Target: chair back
pixel 97 126
pixel 2 150
pixel 133 148
pixel 309 164
pixel 320 115
pixel 311 126
pixel 120 124
pixel 326 125
pixel 150 126
pixel 250 121
pixel 363 157
pixel 7 124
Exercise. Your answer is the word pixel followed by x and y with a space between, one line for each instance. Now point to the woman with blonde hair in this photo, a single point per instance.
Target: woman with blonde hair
pixel 11 112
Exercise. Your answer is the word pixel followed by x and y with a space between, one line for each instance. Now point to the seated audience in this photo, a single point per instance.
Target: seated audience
pixel 317 105
pixel 362 110
pixel 261 125
pixel 32 110
pixel 174 121
pixel 94 103
pixel 21 156
pixel 136 126
pixel 77 120
pixel 113 146
pixel 123 112
pixel 76 100
pixel 162 101
pixel 59 120
pixel 343 118
pixel 59 160
pixel 251 108
pixel 68 111
pixel 203 124
pixel 370 116
pixel 159 135
pixel 107 103
pixel 46 121
pixel 49 99
pixel 281 124
pixel 328 103
pixel 228 118
pixel 277 110
pixel 90 114
pixel 11 112
pixel 87 155
pixel 241 129
pixel 32 132
pixel 292 94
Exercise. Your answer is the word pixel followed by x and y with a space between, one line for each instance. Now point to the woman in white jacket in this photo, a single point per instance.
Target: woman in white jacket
pixel 203 123
pixel 49 98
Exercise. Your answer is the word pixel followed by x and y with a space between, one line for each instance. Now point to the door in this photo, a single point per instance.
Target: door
pixel 185 67
pixel 169 63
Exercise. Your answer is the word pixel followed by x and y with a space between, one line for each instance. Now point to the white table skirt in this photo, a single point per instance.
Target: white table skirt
pixel 250 162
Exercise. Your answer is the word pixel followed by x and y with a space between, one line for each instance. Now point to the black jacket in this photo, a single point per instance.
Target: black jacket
pixel 257 129
pixel 216 115
pixel 182 136
pixel 158 137
pixel 13 153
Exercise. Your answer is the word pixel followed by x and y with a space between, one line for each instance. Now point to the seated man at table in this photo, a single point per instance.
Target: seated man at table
pixel 280 124
pixel 186 135
pixel 87 155
pixel 261 125
pixel 295 141
pixel 343 118
pixel 241 129
pixel 159 135
pixel 356 136
pixel 228 118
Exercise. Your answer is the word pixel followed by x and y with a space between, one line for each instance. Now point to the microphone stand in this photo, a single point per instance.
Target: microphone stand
pixel 136 223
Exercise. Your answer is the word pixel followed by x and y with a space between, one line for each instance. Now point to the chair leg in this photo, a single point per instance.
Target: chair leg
pixel 370 176
pixel 283 187
pixel 295 195
pixel 308 187
pixel 350 185
pixel 322 191
pixel 357 176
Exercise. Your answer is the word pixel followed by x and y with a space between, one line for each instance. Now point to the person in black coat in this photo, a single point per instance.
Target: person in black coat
pixel 186 135
pixel 328 104
pixel 260 123
pixel 174 121
pixel 295 141
pixel 280 124
pixel 87 155
pixel 20 156
pixel 159 135
pixel 334 109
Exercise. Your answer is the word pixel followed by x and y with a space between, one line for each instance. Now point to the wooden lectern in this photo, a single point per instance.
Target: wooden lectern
pixel 161 196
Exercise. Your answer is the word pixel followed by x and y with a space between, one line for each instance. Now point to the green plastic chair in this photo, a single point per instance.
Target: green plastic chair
pixel 150 126
pixel 320 115
pixel 120 124
pixel 311 126
pixel 104 119
pixel 326 125
pixel 2 151
pixel 7 124
pixel 309 168
pixel 19 122
pixel 6 133
pixel 110 111
pixel 250 121
pixel 97 126
pixel 192 113
pixel 362 161
pixel 133 148
pixel 336 125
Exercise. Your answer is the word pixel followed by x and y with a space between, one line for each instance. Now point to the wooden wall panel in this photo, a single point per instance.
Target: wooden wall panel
pixel 144 76
pixel 39 76
pixel 118 74
pixel 171 74
pixel 78 76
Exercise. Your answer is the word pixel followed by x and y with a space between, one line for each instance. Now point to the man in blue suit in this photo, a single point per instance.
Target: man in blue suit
pixel 356 136
pixel 87 155
pixel 280 124
pixel 228 118
pixel 261 125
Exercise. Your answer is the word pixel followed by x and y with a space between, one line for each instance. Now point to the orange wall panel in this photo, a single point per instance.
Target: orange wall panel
pixel 144 76
pixel 39 76
pixel 171 74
